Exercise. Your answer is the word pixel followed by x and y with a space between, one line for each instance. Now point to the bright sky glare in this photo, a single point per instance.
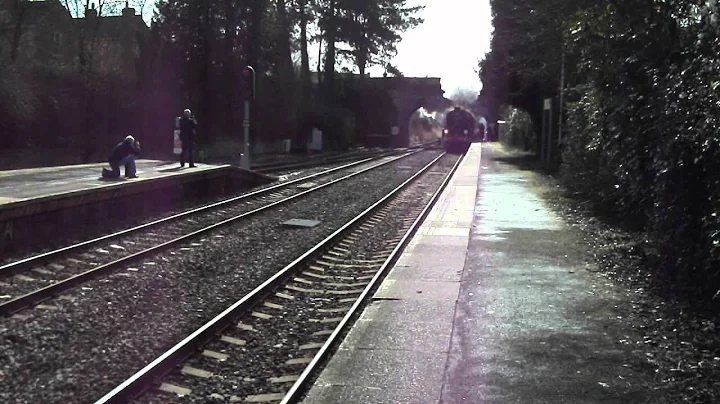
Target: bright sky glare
pixel 449 44
pixel 454 37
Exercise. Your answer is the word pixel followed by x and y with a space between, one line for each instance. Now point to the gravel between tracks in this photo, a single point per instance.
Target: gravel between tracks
pixel 279 338
pixel 110 328
pixel 76 262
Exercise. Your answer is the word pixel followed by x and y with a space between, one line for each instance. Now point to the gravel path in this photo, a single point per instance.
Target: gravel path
pixel 84 345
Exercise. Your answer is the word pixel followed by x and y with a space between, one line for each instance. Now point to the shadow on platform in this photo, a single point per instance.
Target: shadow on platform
pixel 521 160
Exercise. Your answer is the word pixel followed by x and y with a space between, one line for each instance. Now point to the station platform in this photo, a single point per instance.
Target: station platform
pixel 47 200
pixel 491 302
pixel 33 183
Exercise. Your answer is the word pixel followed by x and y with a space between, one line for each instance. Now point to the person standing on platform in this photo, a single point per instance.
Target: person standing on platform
pixel 123 155
pixel 187 137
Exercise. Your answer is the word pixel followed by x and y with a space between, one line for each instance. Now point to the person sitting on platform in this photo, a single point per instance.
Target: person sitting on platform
pixel 123 155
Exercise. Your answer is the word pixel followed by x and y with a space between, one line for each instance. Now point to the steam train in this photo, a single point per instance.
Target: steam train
pixel 459 131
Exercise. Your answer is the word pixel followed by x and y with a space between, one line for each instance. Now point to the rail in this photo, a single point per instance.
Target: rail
pixel 165 363
pixel 19 303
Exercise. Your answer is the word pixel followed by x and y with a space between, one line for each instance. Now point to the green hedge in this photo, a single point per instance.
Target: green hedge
pixel 644 140
pixel 642 114
pixel 517 130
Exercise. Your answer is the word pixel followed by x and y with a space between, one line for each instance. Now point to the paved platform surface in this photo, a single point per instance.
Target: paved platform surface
pixel 490 303
pixel 18 185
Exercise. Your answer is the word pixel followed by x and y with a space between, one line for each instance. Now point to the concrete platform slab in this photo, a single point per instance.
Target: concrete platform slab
pixel 428 273
pixel 5 199
pixel 409 310
pixel 45 181
pixel 371 374
pixel 440 241
pixel 301 223
pixel 455 254
pixel 407 335
pixel 412 289
pixel 55 200
pixel 324 394
pixel 401 342
pixel 526 323
pixel 453 224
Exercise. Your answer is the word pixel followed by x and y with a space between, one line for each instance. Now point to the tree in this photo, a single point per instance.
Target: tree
pixel 14 21
pixel 464 97
pixel 392 70
pixel 329 24
pixel 214 37
pixel 86 35
pixel 524 63
pixel 192 27
pixel 373 29
pixel 284 42
pixel 304 17
pixel 642 108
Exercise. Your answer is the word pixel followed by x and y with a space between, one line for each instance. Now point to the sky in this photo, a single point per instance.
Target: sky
pixel 454 37
pixel 449 44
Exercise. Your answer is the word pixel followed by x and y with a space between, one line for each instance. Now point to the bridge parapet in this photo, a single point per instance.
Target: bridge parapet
pixel 411 95
pixel 407 94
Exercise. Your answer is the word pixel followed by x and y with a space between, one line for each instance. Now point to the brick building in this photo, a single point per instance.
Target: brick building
pixel 35 33
pixel 44 34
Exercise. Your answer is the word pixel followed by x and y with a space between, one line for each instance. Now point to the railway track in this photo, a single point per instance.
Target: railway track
pixel 30 281
pixel 316 161
pixel 332 159
pixel 267 345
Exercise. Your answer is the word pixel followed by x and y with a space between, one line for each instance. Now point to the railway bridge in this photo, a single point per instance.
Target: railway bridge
pixel 387 104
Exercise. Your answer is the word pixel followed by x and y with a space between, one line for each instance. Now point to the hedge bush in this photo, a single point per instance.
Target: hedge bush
pixel 641 117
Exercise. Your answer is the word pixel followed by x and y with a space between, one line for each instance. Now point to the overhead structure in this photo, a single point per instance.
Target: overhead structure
pixel 408 94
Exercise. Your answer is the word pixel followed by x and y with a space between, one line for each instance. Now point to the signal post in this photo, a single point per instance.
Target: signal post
pixel 247 82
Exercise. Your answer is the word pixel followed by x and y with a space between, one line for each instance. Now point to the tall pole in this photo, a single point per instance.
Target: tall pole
pixel 562 91
pixel 546 136
pixel 248 88
pixel 543 133
pixel 549 135
pixel 246 143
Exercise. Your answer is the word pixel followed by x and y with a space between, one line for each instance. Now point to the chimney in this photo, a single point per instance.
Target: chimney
pixel 128 11
pixel 91 12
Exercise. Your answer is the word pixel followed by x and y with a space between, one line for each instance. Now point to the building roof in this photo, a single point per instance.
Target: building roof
pixel 116 26
pixel 36 11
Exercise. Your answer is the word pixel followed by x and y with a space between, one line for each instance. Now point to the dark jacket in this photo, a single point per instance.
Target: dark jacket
pixel 187 128
pixel 122 150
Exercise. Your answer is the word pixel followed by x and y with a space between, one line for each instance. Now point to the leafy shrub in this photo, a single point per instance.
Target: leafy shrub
pixel 642 114
pixel 518 130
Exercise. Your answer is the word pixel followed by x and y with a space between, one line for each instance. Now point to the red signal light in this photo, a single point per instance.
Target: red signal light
pixel 247 82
